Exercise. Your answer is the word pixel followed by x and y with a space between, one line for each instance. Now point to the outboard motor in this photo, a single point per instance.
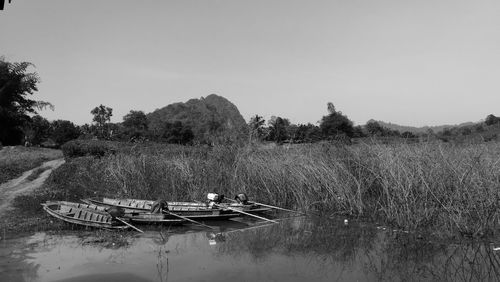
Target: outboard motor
pixel 242 198
pixel 158 206
pixel 214 198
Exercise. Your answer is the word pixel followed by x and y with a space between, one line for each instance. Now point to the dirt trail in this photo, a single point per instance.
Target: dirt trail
pixel 9 190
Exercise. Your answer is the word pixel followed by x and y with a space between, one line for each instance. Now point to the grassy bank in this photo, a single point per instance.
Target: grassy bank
pixel 16 160
pixel 451 190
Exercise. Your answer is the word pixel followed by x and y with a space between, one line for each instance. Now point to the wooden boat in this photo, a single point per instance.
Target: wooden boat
pixel 191 210
pixel 82 216
pixel 136 217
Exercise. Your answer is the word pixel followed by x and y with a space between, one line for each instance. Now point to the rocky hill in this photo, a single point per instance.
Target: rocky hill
pixel 212 119
pixel 417 130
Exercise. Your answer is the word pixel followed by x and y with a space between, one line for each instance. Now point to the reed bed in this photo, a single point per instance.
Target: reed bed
pixel 448 189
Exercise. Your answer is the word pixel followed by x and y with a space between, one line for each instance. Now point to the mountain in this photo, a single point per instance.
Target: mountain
pixel 211 119
pixel 423 129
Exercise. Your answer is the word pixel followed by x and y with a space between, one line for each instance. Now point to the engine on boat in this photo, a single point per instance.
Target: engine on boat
pixel 158 206
pixel 214 199
pixel 241 198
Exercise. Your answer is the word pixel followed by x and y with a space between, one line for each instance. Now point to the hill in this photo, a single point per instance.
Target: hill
pixel 417 130
pixel 212 119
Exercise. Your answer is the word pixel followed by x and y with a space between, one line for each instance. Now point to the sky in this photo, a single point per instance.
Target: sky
pixel 416 63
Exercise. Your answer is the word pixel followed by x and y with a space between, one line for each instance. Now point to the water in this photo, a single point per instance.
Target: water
pixel 298 249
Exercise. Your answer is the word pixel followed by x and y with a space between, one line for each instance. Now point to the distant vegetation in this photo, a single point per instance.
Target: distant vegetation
pixel 210 120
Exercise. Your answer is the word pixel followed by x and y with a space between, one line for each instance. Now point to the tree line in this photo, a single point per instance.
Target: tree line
pixel 21 124
pixel 333 126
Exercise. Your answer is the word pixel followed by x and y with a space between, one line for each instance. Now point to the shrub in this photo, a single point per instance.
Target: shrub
pixel 81 148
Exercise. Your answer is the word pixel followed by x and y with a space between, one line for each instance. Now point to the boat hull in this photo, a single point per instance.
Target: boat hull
pixel 130 215
pixel 82 216
pixel 191 210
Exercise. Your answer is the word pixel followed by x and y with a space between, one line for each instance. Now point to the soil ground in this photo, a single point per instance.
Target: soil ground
pixel 23 184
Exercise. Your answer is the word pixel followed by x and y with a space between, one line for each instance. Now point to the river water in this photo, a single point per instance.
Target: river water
pixel 297 249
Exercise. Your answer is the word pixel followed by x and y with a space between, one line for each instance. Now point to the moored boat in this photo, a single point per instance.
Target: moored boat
pixel 131 216
pixel 82 216
pixel 191 210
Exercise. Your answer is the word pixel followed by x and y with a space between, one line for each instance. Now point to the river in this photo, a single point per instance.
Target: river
pixel 297 249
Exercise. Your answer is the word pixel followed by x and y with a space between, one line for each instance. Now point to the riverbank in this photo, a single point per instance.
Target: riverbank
pixel 441 189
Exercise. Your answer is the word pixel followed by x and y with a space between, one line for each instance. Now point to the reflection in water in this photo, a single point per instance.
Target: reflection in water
pixel 299 249
pixel 385 256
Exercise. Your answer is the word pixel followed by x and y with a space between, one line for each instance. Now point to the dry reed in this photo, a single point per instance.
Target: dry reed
pixel 447 188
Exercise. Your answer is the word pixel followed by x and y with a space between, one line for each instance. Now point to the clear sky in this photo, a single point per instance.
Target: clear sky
pixel 418 62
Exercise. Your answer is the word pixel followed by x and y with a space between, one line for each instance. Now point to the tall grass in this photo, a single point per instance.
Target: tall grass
pixel 451 189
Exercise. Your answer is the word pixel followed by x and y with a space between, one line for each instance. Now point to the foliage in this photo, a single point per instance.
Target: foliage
pixel 37 130
pixel 176 133
pixel 135 120
pixel 278 129
pixel 491 119
pixel 256 125
pixel 373 128
pixel 16 83
pixel 102 116
pixel 63 131
pixel 95 148
pixel 308 133
pixel 336 124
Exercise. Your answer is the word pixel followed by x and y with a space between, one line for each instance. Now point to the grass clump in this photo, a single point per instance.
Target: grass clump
pixel 16 160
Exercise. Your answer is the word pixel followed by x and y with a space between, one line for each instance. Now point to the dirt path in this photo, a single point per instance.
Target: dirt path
pixel 21 185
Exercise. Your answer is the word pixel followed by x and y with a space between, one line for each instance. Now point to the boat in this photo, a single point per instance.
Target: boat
pixel 82 216
pixel 137 217
pixel 191 210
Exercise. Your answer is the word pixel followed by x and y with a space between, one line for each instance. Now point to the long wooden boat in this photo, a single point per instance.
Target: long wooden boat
pixel 82 216
pixel 191 210
pixel 136 217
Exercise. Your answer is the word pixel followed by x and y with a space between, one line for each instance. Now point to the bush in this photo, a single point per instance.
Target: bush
pixel 95 148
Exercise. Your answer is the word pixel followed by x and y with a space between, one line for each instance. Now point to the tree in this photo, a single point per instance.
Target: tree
pixel 16 83
pixel 491 119
pixel 308 133
pixel 278 129
pixel 102 116
pixel 136 120
pixel 134 126
pixel 408 134
pixel 335 124
pixel 63 131
pixel 374 128
pixel 37 130
pixel 256 125
pixel 358 132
